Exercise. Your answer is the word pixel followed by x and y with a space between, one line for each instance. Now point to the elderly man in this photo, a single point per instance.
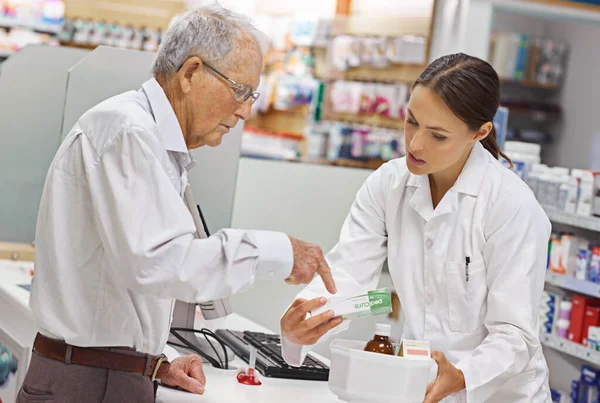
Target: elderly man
pixel 115 243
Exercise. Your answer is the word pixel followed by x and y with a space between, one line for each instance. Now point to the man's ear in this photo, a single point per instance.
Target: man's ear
pixel 483 131
pixel 187 72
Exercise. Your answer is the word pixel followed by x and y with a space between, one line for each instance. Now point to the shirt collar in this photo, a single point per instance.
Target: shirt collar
pixel 471 176
pixel 165 118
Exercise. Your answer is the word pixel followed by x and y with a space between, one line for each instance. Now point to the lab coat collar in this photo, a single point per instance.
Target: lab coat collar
pixel 165 118
pixel 468 182
pixel 421 200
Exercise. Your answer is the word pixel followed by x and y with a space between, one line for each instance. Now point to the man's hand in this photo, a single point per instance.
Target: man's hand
pixel 308 260
pixel 449 380
pixel 186 373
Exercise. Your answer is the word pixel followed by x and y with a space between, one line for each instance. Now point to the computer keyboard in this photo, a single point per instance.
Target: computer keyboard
pixel 269 361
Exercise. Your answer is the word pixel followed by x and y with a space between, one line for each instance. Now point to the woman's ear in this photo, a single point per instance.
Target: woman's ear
pixel 483 131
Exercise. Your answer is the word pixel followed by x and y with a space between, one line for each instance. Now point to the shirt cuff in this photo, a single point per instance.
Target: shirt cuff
pixel 276 257
pixel 459 397
pixel 464 396
pixel 294 354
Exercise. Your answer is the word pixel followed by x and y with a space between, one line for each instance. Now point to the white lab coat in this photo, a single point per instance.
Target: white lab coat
pixel 487 326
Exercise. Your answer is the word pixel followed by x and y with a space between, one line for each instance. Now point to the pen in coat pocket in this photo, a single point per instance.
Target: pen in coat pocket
pixel 467 261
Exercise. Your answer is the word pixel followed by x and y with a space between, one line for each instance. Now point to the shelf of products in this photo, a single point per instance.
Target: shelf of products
pixel 573 284
pixel 584 222
pixel 371 120
pixel 531 84
pixel 570 348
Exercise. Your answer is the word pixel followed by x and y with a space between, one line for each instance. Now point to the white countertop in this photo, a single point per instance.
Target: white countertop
pixel 223 387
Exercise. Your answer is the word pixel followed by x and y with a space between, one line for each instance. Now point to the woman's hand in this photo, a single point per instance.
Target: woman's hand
pixel 449 380
pixel 299 330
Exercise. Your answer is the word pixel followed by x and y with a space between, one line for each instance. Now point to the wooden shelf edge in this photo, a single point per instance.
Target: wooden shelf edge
pixel 368 120
pixel 568 4
pixel 531 84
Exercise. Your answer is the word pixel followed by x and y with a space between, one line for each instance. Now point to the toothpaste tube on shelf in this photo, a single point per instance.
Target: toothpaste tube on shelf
pixel 415 349
pixel 371 303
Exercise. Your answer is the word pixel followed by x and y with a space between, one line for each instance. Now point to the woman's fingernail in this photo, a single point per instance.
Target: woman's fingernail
pixel 323 300
pixel 330 314
pixel 199 388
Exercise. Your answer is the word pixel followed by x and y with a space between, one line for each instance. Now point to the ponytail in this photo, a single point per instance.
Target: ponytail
pixel 490 143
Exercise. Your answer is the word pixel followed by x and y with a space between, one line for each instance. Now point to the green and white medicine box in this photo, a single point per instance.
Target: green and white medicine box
pixel 371 303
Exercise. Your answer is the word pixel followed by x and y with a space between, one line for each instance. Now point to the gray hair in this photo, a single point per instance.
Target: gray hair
pixel 208 32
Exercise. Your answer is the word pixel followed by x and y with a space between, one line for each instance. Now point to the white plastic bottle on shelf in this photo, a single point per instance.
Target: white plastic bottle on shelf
pixel 586 194
pixel 524 156
pixel 555 179
pixel 533 179
pixel 542 185
pixel 573 195
pixel 560 180
pixel 563 192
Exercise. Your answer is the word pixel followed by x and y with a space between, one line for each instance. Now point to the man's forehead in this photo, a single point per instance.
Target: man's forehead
pixel 244 67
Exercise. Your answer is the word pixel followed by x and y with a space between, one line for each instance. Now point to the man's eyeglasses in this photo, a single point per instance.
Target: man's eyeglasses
pixel 241 92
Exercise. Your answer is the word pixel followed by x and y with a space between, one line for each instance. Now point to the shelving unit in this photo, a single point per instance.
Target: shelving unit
pixel 41 28
pixel 583 222
pixel 568 347
pixel 573 284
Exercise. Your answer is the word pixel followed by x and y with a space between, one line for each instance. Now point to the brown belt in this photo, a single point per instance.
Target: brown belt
pixel 154 367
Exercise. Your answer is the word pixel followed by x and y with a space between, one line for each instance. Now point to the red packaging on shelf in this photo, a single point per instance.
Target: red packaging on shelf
pixel 577 316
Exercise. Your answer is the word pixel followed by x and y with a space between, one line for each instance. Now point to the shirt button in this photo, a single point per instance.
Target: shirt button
pixel 429 299
pixel 271 273
pixel 428 243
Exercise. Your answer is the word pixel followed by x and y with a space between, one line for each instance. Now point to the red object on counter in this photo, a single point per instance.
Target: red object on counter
pixel 249 378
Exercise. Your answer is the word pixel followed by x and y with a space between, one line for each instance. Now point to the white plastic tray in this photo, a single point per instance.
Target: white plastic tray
pixel 364 377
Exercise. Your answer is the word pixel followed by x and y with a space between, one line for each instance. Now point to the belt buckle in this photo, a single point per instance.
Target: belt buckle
pixel 161 359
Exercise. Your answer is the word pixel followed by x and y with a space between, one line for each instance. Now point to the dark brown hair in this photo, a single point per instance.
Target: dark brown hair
pixel 471 89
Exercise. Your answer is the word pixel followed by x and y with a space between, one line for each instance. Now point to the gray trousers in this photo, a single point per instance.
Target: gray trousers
pixel 48 380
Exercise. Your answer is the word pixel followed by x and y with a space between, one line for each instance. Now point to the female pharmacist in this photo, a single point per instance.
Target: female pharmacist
pixel 466 243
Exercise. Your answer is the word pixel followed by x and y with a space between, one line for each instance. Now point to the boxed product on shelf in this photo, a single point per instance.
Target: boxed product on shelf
pixel 592 319
pixel 367 98
pixel 517 56
pixel 558 396
pixel 349 51
pixel 575 333
pixel 593 338
pixel 586 389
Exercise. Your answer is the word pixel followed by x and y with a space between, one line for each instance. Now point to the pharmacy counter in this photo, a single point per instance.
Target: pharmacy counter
pixel 17 331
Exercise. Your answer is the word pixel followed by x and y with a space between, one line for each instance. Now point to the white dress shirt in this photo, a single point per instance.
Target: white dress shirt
pixel 486 326
pixel 114 240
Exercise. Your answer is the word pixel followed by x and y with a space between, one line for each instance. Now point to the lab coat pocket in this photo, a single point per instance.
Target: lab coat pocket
pixel 466 295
